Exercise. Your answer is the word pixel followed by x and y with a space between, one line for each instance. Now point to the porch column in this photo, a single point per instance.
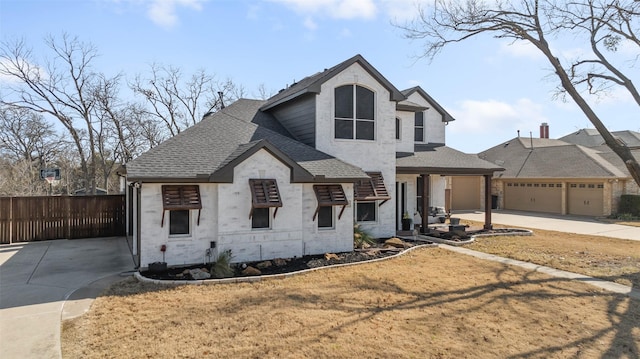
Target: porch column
pixel 487 202
pixel 426 193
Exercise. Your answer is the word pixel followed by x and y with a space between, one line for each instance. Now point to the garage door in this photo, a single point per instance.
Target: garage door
pixel 533 196
pixel 586 199
pixel 465 192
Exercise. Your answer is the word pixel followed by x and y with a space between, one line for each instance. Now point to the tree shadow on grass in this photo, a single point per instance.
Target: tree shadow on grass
pixel 371 295
pixel 623 314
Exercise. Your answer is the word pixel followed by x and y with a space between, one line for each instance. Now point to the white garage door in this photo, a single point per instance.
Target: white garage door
pixel 533 196
pixel 586 199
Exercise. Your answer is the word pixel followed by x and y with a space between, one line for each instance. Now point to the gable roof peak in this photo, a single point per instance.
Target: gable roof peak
pixel 312 84
pixel 446 117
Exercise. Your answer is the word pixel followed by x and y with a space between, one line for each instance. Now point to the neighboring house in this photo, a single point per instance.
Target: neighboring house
pixel 576 174
pixel 291 175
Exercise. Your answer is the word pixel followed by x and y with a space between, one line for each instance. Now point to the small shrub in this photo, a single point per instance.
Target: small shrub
pixel 221 268
pixel 629 204
pixel 361 238
pixel 626 217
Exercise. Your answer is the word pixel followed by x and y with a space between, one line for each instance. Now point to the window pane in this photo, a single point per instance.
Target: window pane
pixel 179 222
pixel 419 135
pixel 364 130
pixel 325 217
pixel 344 129
pixel 364 103
pixel 419 119
pixel 260 218
pixel 398 124
pixel 344 101
pixel 366 211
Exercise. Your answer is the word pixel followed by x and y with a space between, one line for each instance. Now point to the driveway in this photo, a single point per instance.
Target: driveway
pixel 570 224
pixel 37 278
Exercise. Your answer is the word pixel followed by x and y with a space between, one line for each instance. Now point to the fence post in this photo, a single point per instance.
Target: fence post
pixel 11 220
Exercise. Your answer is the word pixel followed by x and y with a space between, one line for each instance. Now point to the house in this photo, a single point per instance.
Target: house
pixel 576 174
pixel 290 176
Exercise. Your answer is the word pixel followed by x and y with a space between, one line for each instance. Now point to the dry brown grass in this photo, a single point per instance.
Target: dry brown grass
pixel 430 303
pixel 612 259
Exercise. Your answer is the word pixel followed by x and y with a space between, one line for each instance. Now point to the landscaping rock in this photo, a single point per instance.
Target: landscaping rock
pixel 330 256
pixel 265 264
pixel 395 242
pixel 279 262
pixel 199 274
pixel 251 271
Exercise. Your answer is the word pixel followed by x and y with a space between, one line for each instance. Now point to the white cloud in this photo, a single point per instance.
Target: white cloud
pixel 310 24
pixel 345 33
pixel 33 71
pixel 404 10
pixel 496 117
pixel 337 9
pixel 521 49
pixel 163 12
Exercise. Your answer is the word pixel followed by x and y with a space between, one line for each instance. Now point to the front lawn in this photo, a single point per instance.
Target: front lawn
pixel 430 303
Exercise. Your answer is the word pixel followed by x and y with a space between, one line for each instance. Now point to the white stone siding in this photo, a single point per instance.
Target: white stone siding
pixel 321 240
pixel 284 238
pixel 406 142
pixel 377 155
pixel 180 249
pixel 434 127
pixel 293 232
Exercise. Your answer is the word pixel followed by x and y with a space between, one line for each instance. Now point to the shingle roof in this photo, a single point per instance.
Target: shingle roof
pixel 590 137
pixel 204 148
pixel 446 117
pixel 311 84
pixel 549 158
pixel 440 159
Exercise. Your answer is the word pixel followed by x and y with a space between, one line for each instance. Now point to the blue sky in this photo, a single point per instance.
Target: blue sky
pixel 491 87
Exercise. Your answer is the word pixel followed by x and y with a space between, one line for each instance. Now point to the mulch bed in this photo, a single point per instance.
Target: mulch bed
pixel 280 266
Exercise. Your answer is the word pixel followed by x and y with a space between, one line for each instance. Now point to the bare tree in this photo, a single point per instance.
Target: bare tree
pixel 63 87
pixel 603 24
pixel 25 135
pixel 178 103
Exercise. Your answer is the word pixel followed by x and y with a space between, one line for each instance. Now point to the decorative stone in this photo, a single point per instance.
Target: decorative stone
pixel 395 242
pixel 330 256
pixel 251 271
pixel 265 264
pixel 199 274
pixel 279 262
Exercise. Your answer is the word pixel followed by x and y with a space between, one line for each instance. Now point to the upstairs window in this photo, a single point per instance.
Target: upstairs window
pixel 419 127
pixel 398 127
pixel 354 112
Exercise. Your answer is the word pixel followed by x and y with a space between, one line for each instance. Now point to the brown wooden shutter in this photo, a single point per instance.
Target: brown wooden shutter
pixel 372 189
pixel 264 194
pixel 330 195
pixel 180 197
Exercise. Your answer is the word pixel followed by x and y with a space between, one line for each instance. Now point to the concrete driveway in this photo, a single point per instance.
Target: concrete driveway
pixel 570 224
pixel 37 278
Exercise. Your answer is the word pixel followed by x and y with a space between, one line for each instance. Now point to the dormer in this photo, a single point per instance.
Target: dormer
pixel 429 118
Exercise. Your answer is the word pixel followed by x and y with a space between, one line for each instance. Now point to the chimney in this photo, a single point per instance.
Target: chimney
pixel 544 130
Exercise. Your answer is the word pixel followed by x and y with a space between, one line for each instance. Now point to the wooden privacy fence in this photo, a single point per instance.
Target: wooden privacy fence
pixel 24 219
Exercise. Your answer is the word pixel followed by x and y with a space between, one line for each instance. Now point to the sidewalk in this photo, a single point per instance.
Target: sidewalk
pixel 600 283
pixel 569 224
